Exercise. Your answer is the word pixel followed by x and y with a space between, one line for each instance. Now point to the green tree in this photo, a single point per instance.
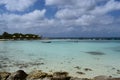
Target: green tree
pixel 6 35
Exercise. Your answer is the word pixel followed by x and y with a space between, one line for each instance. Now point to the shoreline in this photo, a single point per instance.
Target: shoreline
pixel 52 40
pixel 76 71
pixel 40 75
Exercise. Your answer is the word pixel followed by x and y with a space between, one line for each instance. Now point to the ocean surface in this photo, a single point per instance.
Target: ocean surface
pixel 90 57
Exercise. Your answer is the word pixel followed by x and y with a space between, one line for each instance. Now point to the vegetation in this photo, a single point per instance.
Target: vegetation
pixel 19 36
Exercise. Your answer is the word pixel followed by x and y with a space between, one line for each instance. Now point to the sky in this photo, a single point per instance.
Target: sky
pixel 61 18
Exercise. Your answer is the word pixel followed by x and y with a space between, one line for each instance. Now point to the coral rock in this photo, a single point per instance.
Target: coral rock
pixel 36 75
pixel 18 75
pixel 101 78
pixel 79 78
pixel 60 76
pixel 4 75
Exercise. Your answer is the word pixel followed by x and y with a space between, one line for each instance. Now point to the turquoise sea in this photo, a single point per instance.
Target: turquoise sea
pixel 74 56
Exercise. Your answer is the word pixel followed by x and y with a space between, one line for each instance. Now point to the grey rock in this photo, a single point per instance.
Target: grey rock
pixel 37 74
pixel 79 78
pixel 0 78
pixel 4 75
pixel 46 78
pixel 18 75
pixel 102 77
pixel 60 76
pixel 114 79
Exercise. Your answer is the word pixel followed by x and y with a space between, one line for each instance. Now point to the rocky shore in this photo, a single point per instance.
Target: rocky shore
pixel 40 75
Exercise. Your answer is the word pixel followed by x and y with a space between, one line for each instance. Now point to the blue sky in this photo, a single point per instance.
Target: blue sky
pixel 61 18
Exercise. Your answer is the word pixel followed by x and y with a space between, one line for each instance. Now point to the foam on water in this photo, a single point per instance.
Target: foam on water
pixel 62 55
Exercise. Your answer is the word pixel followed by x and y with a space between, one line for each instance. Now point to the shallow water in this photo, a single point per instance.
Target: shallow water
pixel 73 56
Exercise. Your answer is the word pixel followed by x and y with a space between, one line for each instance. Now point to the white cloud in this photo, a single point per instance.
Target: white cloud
pixel 84 15
pixel 17 5
pixel 87 12
pixel 73 8
pixel 69 13
pixel 56 2
pixel 85 20
pixel 72 3
pixel 35 15
pixel 23 21
pixel 91 20
pixel 111 5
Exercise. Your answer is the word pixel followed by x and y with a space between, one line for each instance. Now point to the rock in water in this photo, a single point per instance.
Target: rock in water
pixel 115 79
pixel 79 78
pixel 60 76
pixel 4 75
pixel 38 74
pixel 101 78
pixel 18 75
pixel 0 77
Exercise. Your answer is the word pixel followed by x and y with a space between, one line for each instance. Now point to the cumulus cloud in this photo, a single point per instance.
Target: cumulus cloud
pixel 23 21
pixel 17 5
pixel 85 15
pixel 56 2
pixel 72 3
pixel 111 5
pixel 67 13
pixel 71 16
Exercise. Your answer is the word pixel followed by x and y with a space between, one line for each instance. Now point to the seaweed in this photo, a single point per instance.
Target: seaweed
pixel 81 73
pixel 95 53
pixel 77 67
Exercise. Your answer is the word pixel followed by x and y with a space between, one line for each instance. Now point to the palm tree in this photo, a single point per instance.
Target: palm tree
pixel 6 35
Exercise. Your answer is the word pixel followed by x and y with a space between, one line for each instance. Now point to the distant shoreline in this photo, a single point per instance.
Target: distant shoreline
pixel 76 39
pixel 87 38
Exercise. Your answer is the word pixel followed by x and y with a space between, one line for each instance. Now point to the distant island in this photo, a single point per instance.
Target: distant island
pixel 19 36
pixel 87 38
